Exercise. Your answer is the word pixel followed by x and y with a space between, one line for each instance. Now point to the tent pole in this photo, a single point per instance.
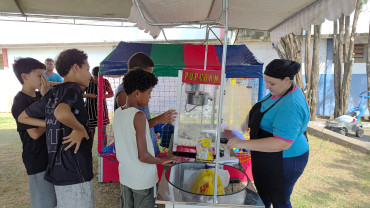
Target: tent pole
pixel 205 66
pixel 177 108
pixel 220 103
pixel 206 52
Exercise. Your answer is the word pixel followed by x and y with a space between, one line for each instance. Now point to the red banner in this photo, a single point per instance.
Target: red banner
pixel 200 76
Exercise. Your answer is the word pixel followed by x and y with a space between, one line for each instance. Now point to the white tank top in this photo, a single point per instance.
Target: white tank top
pixel 132 173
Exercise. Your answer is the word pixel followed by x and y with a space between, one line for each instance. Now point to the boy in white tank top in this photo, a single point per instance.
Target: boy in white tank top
pixel 134 147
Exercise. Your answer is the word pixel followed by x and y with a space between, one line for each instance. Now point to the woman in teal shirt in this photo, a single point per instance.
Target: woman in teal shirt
pixel 278 144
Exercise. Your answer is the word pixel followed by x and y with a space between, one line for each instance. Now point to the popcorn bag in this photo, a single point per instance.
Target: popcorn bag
pixel 204 183
pixel 204 150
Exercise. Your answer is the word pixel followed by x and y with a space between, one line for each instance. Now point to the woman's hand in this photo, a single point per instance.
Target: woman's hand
pixel 236 143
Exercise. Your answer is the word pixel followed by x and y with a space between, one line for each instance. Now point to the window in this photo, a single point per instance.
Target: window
pixel 360 53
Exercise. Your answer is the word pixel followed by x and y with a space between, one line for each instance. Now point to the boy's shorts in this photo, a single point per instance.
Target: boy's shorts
pixel 131 198
pixel 79 195
pixel 42 193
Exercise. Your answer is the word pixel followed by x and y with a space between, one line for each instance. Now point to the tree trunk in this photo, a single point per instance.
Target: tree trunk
pixel 298 58
pixel 347 28
pixel 315 71
pixel 285 44
pixel 278 51
pixel 346 84
pixel 338 71
pixel 292 46
pixel 307 65
pixel 368 66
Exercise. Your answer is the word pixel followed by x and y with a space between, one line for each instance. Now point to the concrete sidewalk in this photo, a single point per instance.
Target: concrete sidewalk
pixel 361 144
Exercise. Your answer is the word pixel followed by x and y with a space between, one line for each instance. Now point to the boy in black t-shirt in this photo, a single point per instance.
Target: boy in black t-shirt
pixel 69 169
pixel 30 73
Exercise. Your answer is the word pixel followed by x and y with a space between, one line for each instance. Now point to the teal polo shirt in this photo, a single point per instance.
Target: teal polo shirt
pixel 288 120
pixel 54 78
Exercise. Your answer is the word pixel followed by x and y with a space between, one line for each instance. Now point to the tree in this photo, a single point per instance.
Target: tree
pixel 292 46
pixel 307 65
pixel 314 94
pixel 338 64
pixel 344 45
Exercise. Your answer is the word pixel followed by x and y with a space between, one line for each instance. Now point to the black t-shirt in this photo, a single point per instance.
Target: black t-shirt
pixel 65 167
pixel 35 154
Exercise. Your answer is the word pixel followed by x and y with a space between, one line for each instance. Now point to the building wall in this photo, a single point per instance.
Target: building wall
pixel 9 84
pixel 326 101
pixel 263 51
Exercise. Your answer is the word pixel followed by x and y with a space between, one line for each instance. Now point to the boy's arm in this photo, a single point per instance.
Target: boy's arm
pixel 142 148
pixel 34 112
pixel 36 133
pixel 108 90
pixel 166 117
pixel 24 118
pixel 94 96
pixel 64 114
pixel 33 131
pixel 88 95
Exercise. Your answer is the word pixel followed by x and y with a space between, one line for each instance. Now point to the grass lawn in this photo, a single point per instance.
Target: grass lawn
pixel 335 176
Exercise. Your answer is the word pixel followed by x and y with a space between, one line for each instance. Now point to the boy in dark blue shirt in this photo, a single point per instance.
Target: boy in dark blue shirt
pixel 69 169
pixel 30 73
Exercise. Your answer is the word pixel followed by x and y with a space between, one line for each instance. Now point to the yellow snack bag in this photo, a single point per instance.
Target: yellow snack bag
pixel 204 149
pixel 204 183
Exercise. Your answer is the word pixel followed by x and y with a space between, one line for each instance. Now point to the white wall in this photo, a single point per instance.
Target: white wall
pixel 9 84
pixel 263 52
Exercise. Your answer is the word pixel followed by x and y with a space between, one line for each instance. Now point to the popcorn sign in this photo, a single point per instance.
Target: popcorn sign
pixel 199 76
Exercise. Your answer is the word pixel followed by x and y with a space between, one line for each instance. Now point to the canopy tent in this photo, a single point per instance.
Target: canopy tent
pixel 169 58
pixel 280 17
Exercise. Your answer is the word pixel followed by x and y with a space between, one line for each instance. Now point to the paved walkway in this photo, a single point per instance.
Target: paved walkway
pixel 362 144
pixel 366 127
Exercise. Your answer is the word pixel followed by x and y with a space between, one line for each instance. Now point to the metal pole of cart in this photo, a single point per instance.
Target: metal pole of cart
pixel 205 67
pixel 178 106
pixel 220 102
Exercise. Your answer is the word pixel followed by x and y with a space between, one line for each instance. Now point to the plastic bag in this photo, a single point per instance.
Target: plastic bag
pixel 223 174
pixel 204 150
pixel 204 183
